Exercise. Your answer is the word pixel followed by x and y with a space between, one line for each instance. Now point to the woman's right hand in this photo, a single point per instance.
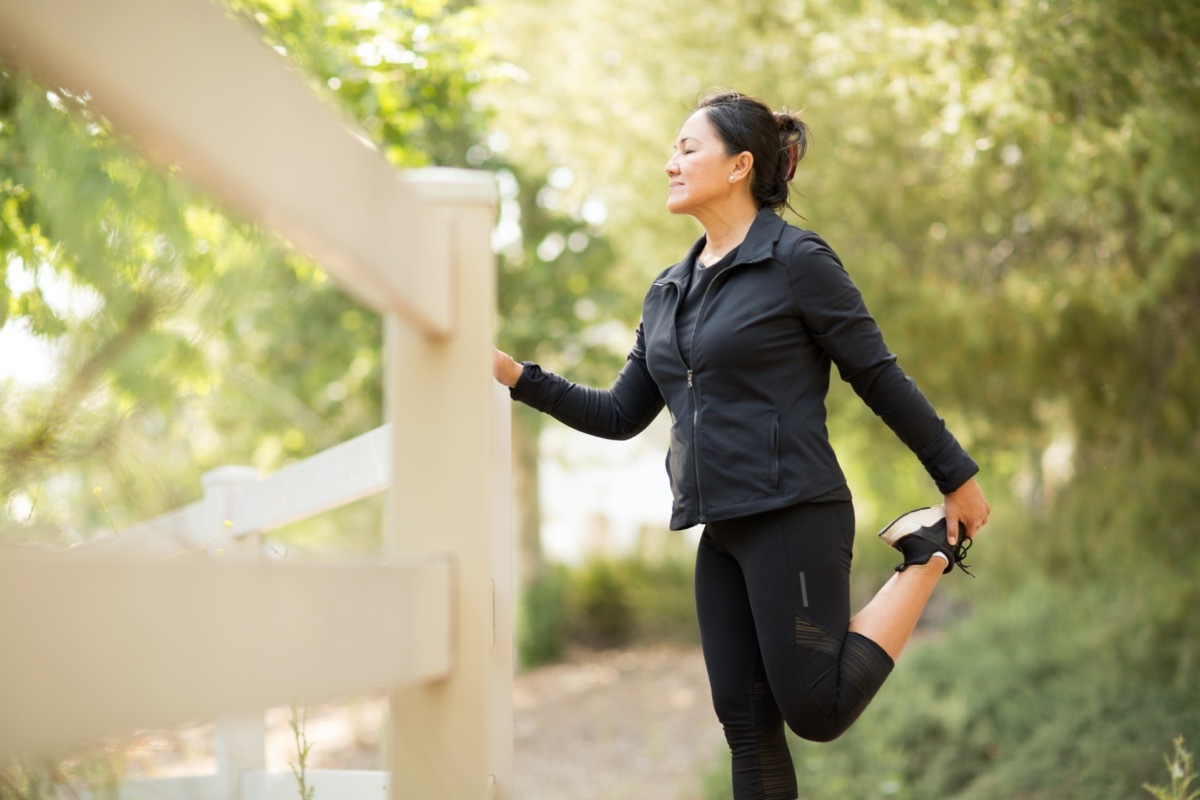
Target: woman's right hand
pixel 506 370
pixel 967 506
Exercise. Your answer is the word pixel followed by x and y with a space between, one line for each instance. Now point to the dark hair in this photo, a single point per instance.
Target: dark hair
pixel 776 139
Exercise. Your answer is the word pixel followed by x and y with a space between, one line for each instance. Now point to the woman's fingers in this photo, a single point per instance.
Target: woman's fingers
pixel 967 506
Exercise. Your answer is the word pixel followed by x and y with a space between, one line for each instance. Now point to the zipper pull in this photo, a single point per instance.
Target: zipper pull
pixel 689 379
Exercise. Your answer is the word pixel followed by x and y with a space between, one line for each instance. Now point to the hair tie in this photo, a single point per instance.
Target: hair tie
pixel 793 158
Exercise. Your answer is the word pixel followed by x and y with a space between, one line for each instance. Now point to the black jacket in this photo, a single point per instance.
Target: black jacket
pixel 748 418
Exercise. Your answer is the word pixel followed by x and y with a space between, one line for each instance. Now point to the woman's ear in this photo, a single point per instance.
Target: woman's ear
pixel 743 163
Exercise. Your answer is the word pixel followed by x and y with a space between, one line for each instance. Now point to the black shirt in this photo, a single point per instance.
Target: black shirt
pixel 689 309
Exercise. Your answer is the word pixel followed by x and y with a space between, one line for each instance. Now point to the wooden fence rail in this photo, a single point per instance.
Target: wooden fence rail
pixel 96 646
pixel 355 469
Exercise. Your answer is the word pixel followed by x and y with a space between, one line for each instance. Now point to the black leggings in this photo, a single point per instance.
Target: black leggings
pixel 773 601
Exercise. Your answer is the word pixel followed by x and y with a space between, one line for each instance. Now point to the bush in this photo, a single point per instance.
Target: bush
pixel 542 623
pixel 607 603
pixel 602 613
pixel 664 598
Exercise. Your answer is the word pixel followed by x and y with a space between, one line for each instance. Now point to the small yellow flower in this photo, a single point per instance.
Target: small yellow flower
pixel 228 523
pixel 96 491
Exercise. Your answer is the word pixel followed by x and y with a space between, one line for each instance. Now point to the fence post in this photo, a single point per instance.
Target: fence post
pixel 439 398
pixel 504 596
pixel 239 742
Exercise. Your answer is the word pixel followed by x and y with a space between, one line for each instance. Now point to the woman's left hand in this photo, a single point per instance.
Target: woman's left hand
pixel 968 506
pixel 505 369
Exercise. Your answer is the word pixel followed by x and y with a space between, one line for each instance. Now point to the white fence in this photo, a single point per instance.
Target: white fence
pixel 100 643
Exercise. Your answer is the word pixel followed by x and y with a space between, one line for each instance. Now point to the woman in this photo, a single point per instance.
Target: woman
pixel 737 340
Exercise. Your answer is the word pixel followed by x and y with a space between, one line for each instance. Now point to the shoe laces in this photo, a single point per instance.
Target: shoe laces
pixel 959 553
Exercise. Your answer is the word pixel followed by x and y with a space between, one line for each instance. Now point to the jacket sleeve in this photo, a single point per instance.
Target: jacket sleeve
pixel 620 412
pixel 835 315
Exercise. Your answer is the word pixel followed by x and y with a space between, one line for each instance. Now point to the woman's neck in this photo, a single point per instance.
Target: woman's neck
pixel 723 232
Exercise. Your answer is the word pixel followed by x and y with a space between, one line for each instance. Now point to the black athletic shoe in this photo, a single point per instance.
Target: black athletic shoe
pixel 921 533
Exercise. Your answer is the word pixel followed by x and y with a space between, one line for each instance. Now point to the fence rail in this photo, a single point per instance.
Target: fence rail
pixel 123 643
pixel 356 468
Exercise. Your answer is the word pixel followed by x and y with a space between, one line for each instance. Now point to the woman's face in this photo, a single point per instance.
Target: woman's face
pixel 700 169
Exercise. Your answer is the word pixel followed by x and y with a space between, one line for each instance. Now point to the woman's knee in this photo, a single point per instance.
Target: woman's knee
pixel 819 729
pixel 822 721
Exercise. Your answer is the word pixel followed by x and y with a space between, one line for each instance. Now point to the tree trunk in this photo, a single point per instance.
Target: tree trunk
pixel 527 427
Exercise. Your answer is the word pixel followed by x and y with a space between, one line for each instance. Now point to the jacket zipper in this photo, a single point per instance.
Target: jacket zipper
pixel 692 391
pixel 696 442
pixel 695 394
pixel 692 394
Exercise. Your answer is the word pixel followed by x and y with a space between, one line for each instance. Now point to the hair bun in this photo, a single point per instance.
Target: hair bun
pixel 793 140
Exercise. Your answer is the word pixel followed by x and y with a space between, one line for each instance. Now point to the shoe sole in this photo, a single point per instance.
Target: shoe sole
pixel 910 522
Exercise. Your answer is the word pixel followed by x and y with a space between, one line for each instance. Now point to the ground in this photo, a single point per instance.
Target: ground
pixel 629 724
pixel 621 724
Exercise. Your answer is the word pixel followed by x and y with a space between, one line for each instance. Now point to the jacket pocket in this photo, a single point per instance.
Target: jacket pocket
pixel 774 451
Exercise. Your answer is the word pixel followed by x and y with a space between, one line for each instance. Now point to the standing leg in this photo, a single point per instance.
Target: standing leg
pixel 742 697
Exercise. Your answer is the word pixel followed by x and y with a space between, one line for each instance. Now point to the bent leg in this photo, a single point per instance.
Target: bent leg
pixel 891 616
pixel 796 567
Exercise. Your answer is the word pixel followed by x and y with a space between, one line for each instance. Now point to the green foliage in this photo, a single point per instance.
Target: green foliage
pixel 607 603
pixel 562 301
pixel 299 723
pixel 98 772
pixel 714 780
pixel 602 610
pixel 184 339
pixel 19 781
pixel 405 72
pixel 1181 768
pixel 541 634
pixel 662 595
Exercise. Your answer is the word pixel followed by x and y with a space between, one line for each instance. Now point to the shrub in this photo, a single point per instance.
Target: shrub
pixel 602 613
pixel 542 622
pixel 607 603
pixel 664 600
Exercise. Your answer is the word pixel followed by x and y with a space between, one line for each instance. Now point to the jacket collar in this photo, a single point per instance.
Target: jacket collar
pixel 759 245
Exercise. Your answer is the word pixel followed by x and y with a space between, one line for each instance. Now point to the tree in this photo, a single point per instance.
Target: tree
pixel 557 294
pixel 181 355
